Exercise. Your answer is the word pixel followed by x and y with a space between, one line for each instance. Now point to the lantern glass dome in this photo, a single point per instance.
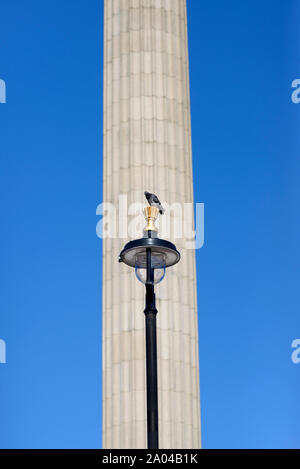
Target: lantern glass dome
pixel 158 267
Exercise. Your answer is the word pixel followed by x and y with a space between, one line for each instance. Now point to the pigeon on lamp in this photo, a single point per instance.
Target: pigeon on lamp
pixel 153 201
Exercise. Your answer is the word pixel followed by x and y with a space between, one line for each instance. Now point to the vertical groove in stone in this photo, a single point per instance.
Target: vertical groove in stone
pixel 147 146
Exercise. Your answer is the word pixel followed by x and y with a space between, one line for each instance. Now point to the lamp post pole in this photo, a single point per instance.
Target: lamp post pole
pixel 152 256
pixel 151 358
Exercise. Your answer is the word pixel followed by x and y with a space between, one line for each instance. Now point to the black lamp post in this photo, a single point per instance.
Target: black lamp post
pixel 150 256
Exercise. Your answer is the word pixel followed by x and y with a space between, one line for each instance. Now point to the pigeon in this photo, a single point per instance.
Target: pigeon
pixel 153 201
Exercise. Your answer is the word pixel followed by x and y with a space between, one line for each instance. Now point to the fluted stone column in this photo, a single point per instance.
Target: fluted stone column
pixel 147 146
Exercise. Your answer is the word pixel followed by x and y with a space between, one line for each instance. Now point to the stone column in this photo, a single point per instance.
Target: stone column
pixel 147 146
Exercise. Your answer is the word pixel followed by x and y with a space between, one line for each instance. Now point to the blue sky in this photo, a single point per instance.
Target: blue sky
pixel 243 58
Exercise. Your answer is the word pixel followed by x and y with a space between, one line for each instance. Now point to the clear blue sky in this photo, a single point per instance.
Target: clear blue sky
pixel 243 58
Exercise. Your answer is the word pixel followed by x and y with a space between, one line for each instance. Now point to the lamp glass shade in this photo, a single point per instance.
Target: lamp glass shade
pixel 158 267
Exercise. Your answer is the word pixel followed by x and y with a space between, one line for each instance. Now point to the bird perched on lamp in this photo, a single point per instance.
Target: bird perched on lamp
pixel 153 201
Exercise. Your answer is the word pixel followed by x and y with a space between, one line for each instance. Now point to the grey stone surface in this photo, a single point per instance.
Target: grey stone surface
pixel 147 146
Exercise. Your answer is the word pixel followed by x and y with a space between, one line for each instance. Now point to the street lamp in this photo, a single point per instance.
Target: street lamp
pixel 150 256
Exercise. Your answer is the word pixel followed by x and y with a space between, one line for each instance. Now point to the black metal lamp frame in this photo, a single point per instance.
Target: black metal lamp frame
pixel 150 245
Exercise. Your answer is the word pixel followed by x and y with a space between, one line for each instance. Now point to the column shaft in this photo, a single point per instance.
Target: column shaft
pixel 147 146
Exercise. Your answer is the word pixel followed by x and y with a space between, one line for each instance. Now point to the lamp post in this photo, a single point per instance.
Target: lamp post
pixel 150 256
